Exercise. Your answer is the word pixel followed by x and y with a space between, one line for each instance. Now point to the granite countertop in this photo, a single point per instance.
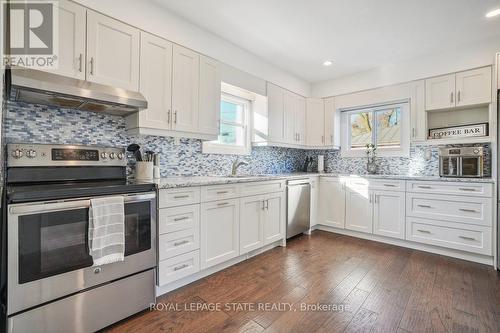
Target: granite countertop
pixel 187 181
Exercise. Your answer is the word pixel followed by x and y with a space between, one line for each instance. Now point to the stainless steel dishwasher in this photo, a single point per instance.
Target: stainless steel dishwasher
pixel 298 206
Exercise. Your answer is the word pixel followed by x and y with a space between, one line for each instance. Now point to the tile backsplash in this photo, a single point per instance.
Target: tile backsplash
pixel 41 124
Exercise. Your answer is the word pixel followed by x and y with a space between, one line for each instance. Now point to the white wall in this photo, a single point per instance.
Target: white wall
pixel 466 57
pixel 157 20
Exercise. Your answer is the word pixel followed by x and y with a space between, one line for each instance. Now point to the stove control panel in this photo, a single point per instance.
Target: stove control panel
pixel 38 155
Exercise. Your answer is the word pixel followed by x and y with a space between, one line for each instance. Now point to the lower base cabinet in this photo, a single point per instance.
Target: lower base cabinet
pixel 275 218
pixel 332 202
pixel 358 210
pixel 389 214
pixel 220 222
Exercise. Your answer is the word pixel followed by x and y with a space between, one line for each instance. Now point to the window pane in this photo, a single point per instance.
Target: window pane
pixel 389 127
pixel 231 135
pixel 231 112
pixel 361 129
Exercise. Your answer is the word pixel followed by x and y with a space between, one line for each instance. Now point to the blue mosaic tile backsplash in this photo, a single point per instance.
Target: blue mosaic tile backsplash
pixel 27 123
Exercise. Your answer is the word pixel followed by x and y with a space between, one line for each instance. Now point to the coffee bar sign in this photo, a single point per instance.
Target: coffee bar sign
pixel 459 131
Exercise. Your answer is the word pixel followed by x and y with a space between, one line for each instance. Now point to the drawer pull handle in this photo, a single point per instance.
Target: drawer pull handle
pixel 424 187
pixel 390 185
pixel 181 242
pixel 223 204
pixel 467 238
pixel 177 219
pixel 424 231
pixel 424 206
pixel 181 196
pixel 222 192
pixel 467 189
pixel 178 268
pixel 468 210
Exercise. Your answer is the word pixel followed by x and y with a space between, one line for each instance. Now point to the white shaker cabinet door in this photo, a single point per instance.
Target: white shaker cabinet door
pixel 251 223
pixel 71 53
pixel 276 113
pixel 185 89
pixel 389 214
pixel 219 232
pixel 474 87
pixel 275 217
pixel 440 92
pixel 300 119
pixel 359 210
pixel 112 52
pixel 315 117
pixel 156 81
pixel 332 200
pixel 210 92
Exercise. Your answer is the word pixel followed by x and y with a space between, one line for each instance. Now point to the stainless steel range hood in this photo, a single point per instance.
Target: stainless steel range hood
pixel 39 87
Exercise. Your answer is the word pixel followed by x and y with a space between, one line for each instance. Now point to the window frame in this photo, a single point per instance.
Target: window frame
pixel 233 95
pixel 403 150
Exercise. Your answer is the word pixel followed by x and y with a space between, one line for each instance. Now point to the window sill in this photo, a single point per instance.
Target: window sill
pixel 211 148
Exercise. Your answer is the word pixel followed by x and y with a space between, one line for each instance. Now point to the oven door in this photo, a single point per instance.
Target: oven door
pixel 48 255
pixel 449 166
pixel 472 166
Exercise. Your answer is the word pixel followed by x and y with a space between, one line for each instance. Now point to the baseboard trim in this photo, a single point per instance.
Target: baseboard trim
pixel 482 259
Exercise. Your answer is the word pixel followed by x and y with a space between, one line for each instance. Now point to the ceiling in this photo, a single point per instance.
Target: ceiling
pixel 299 35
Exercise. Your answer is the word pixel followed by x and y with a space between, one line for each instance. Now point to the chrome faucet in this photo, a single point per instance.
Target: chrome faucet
pixel 236 165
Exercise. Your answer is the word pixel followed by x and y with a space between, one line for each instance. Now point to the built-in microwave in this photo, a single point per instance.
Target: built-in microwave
pixel 461 162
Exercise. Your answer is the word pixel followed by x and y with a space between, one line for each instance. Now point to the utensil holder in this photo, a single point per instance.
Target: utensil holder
pixel 144 170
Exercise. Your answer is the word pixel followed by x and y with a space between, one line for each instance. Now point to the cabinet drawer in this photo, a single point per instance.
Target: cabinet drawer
pixel 470 210
pixel 178 267
pixel 387 184
pixel 179 242
pixel 453 188
pixel 179 197
pixel 178 218
pixel 219 192
pixel 256 188
pixel 456 236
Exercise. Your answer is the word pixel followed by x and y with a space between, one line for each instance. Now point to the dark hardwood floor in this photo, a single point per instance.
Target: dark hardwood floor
pixel 383 288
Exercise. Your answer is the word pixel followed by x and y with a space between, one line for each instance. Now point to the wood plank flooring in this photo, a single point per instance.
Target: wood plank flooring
pixel 382 288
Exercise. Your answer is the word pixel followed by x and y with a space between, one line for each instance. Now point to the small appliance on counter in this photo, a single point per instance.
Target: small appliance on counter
pixel 461 162
pixel 53 284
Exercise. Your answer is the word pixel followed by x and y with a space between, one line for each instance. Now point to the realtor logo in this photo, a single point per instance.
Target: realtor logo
pixel 31 33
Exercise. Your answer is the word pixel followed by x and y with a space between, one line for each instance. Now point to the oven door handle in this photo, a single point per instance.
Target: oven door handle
pixel 51 206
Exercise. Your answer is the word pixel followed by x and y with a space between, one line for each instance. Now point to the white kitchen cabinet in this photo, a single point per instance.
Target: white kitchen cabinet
pixel 359 215
pixel 274 217
pixel 462 89
pixel 156 82
pixel 332 202
pixel 112 52
pixel 315 120
pixel 332 121
pixel 314 181
pixel 72 39
pixel 185 89
pixel 389 214
pixel 276 113
pixel 209 100
pixel 219 232
pixel 291 106
pixel 252 223
pixel 473 87
pixel 440 92
pixel 300 119
pixel 418 114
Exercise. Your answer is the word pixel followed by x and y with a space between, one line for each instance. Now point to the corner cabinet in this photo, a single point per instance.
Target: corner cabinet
pixel 220 234
pixel 112 52
pixel 183 91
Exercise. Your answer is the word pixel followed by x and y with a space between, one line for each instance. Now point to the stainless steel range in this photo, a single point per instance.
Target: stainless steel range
pixel 52 285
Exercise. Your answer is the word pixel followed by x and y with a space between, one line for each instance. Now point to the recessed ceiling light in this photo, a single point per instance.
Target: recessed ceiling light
pixel 493 13
pixel 328 63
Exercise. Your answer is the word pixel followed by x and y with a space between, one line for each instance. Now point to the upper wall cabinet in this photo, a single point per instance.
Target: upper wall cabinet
pixel 332 123
pixel 276 113
pixel 112 52
pixel 417 109
pixel 185 89
pixel 156 82
pixel 462 89
pixel 71 56
pixel 209 101
pixel 315 119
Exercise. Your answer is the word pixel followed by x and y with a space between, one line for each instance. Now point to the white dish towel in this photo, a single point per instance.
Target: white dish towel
pixel 107 230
